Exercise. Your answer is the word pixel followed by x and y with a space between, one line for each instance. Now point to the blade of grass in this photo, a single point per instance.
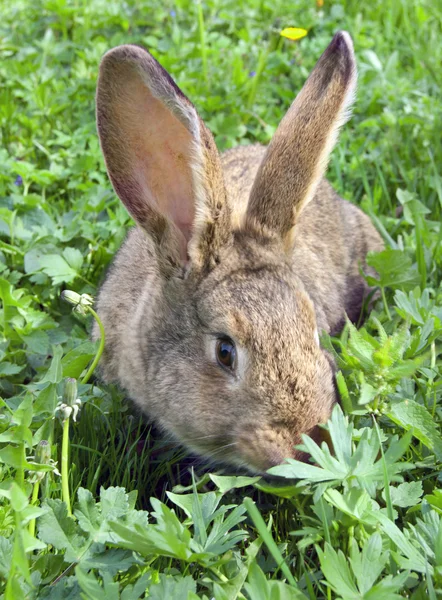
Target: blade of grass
pixel 260 525
pixel 388 501
pixel 202 34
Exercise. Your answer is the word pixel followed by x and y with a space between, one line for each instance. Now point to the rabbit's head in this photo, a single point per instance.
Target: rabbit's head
pixel 229 340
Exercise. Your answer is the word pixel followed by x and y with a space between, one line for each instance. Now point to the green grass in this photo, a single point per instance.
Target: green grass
pixel 365 524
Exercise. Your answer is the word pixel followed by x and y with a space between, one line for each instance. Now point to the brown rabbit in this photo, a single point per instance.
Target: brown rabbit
pixel 213 304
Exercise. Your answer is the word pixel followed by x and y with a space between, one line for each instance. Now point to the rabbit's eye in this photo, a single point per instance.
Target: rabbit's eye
pixel 226 353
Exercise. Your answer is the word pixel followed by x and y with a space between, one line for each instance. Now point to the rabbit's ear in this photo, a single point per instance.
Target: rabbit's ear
pixel 298 154
pixel 161 158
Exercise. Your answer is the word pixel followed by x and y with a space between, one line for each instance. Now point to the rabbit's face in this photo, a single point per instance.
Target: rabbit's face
pixel 248 369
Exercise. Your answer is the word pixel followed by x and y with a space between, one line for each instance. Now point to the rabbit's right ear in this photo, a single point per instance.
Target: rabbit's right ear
pixel 161 158
pixel 298 154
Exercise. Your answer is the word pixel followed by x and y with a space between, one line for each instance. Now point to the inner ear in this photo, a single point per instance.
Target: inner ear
pixel 162 153
pixel 160 157
pixel 148 152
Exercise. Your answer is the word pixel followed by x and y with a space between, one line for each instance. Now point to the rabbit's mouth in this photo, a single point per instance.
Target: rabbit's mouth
pixel 263 448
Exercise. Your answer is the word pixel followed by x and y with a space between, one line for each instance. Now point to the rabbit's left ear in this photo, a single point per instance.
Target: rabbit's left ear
pixel 297 156
pixel 161 158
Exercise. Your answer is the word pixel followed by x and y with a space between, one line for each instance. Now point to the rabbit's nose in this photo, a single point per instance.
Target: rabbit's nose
pixel 269 446
pixel 266 447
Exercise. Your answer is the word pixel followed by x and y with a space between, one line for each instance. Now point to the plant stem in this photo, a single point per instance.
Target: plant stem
pixel 384 299
pixel 388 501
pixel 20 474
pixel 324 521
pixel 34 500
pixel 343 392
pixel 16 557
pixel 433 388
pixel 100 348
pixel 65 439
pixel 8 249
pixel 64 466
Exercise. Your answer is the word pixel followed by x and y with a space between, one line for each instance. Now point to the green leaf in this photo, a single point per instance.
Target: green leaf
pixel 147 542
pixel 435 499
pixel 19 500
pixel 32 259
pixel 260 588
pixel 110 560
pixel 7 294
pixel 337 572
pixel 368 393
pixel 55 527
pixel 92 590
pixel 74 258
pixel 184 501
pixel 406 494
pixel 12 456
pixel 283 491
pixel 356 503
pixel 55 371
pixel 23 414
pixel 75 361
pixel 7 369
pixel 388 587
pixel 368 564
pixel 30 543
pixel 225 483
pixel 230 590
pixel 66 588
pixel 416 559
pixel 360 463
pixel 408 307
pixel 37 341
pixel 57 268
pixel 172 587
pixel 5 556
pixel 16 589
pixel 47 399
pixel 168 537
pixel 413 416
pixel 221 538
pixel 360 347
pixel 94 518
pixel 136 591
pixel 394 269
pixel 341 432
pixel 412 206
pixel 294 469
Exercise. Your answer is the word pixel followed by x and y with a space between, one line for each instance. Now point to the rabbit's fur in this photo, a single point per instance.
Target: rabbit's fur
pixel 254 246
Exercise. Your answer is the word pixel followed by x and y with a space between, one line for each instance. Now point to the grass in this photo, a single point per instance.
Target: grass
pixel 365 523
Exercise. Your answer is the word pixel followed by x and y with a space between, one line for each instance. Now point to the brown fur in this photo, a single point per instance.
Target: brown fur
pixel 267 257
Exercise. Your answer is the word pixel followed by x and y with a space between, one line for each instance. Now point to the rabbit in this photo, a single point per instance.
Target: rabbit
pixel 213 306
